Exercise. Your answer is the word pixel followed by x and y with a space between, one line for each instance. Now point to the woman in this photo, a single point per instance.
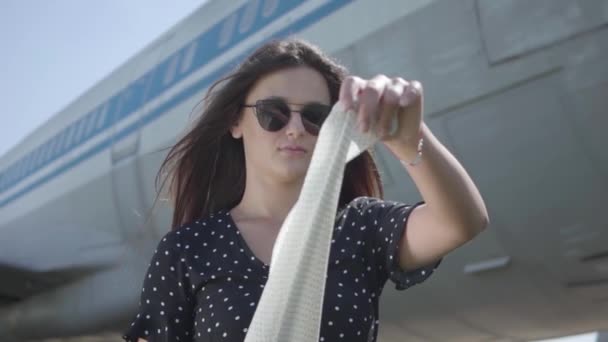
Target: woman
pixel 235 175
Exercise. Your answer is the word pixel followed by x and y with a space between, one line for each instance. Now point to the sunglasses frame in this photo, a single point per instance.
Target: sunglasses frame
pixel 311 127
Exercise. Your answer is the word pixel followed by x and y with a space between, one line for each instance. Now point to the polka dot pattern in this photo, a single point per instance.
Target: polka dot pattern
pixel 204 283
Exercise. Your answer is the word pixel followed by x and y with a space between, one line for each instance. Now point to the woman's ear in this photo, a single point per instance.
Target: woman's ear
pixel 236 134
pixel 236 130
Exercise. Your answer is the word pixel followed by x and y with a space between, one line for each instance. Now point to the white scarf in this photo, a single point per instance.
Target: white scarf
pixel 291 304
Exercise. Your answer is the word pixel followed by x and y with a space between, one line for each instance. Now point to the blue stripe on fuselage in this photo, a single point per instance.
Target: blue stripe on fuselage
pixel 136 89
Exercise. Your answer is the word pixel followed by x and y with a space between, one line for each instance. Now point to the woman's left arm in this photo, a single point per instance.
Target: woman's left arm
pixel 454 211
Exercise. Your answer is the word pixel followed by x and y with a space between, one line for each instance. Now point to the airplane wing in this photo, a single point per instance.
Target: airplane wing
pixel 32 262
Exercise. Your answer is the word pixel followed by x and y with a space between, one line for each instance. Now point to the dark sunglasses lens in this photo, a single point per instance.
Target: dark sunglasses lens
pixel 272 114
pixel 314 115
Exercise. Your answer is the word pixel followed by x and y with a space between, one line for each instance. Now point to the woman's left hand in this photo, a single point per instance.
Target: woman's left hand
pixel 376 101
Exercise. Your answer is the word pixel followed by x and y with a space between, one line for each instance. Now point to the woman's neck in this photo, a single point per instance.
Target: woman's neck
pixel 267 200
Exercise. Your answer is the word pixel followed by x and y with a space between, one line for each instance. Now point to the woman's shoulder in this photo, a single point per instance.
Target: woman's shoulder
pixel 356 209
pixel 198 228
pixel 371 209
pixel 362 203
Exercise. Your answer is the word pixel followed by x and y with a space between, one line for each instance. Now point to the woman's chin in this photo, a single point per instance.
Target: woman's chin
pixel 292 173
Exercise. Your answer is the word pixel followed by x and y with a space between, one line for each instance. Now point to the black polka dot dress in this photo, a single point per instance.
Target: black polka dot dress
pixel 203 283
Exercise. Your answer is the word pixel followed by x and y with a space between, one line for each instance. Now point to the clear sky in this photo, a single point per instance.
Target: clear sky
pixel 53 51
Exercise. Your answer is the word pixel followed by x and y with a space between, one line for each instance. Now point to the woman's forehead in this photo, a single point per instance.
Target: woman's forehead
pixel 296 85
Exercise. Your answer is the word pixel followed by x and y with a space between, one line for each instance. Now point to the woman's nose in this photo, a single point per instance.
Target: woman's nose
pixel 295 126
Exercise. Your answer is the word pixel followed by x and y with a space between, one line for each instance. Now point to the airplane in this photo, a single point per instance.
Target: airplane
pixel 516 90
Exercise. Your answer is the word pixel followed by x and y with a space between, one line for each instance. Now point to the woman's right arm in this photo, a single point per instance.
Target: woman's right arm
pixel 166 303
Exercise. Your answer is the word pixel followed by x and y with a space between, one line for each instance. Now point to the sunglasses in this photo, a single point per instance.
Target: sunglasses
pixel 274 113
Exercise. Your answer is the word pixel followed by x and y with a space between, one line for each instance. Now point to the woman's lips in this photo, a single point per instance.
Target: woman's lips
pixel 293 150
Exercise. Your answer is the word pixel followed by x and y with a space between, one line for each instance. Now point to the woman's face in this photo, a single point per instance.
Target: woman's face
pixel 282 155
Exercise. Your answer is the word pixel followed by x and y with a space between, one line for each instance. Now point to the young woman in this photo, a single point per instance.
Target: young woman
pixel 235 175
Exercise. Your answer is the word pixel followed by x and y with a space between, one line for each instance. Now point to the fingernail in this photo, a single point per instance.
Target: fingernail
pixel 362 126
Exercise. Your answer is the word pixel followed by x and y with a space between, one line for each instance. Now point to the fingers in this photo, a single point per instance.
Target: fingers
pixel 379 100
pixel 370 102
pixel 390 107
pixel 411 93
pixel 349 91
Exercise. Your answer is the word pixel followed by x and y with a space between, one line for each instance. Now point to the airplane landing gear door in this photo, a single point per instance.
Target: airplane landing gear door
pixel 126 173
pixel 128 198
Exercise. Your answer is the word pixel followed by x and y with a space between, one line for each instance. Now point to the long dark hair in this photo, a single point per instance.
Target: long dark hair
pixel 206 167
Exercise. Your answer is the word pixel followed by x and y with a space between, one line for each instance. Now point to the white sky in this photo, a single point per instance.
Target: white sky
pixel 53 51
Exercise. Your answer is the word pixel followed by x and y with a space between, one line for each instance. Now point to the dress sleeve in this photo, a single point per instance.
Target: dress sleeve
pixel 166 303
pixel 387 222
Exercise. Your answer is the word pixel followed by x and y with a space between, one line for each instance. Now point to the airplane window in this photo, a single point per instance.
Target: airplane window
pixel 9 175
pixel 65 136
pixel 269 7
pixel 18 170
pixel 24 167
pixel 13 173
pixel 90 124
pixel 62 142
pixel 45 152
pixel 69 139
pixel 75 133
pixel 170 73
pixel 35 163
pixel 77 130
pixel 36 158
pixel 101 118
pixel 7 179
pixel 124 96
pixel 80 124
pixel 56 150
pixel 42 155
pixel 21 169
pixel 27 165
pixel 48 149
pixel 32 161
pixel 249 16
pixel 188 57
pixel 67 142
pixel 227 30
